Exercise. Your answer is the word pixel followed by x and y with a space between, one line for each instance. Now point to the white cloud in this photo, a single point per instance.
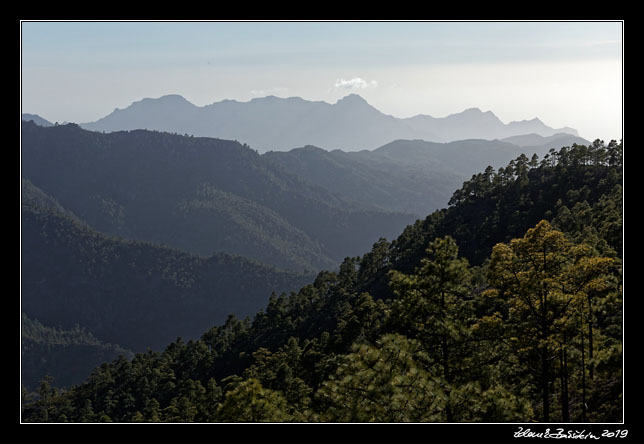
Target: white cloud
pixel 355 83
pixel 269 91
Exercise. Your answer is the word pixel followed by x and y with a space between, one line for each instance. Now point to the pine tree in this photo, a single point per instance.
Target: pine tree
pixel 544 278
pixel 382 383
pixel 434 307
pixel 250 402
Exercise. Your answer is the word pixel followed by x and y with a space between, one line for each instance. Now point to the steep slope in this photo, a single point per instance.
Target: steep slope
pixel 198 194
pixel 130 293
pixel 170 113
pixel 36 119
pixel 272 123
pixel 494 206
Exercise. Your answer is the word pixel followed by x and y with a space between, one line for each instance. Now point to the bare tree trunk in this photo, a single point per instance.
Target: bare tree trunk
pixel 565 412
pixel 583 378
pixel 545 395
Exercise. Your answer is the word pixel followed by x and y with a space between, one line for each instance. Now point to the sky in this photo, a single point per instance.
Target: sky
pixel 564 73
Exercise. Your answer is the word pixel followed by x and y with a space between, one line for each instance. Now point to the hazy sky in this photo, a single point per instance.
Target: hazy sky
pixel 565 73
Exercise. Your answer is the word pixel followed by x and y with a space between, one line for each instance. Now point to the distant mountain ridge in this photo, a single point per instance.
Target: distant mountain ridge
pixel 529 140
pixel 201 195
pixel 476 124
pixel 280 124
pixel 36 119
pixel 411 176
pixel 304 209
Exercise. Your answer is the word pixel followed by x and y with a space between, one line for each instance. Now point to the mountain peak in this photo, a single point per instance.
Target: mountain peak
pixel 172 98
pixel 36 119
pixel 276 123
pixel 476 115
pixel 168 99
pixel 351 98
pixel 535 120
pixel 478 111
pixel 271 98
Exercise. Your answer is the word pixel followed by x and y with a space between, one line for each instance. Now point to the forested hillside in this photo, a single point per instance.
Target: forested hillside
pixel 367 177
pixel 131 293
pixel 201 195
pixel 504 307
pixel 412 176
pixel 580 187
pixel 68 356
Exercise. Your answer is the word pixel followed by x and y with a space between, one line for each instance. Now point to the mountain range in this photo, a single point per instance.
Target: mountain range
pixel 26 117
pixel 134 294
pixel 140 236
pixel 280 124
pixel 305 209
pixel 410 176
pixel 408 332
pixel 201 195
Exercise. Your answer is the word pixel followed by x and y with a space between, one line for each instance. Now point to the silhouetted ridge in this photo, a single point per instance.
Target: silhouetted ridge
pixel 200 195
pixel 273 123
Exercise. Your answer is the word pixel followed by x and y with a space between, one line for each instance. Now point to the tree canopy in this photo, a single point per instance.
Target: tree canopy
pixel 504 307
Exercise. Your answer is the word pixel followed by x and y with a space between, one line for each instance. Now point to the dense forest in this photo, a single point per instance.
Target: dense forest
pixel 67 356
pixel 506 306
pixel 132 293
pixel 200 195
